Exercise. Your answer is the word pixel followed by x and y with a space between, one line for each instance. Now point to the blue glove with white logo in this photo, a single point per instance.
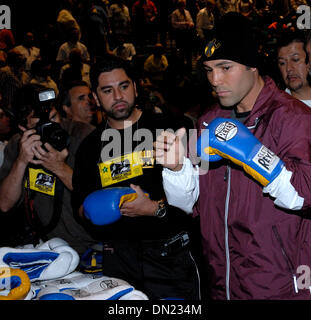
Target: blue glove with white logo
pixel 103 206
pixel 230 139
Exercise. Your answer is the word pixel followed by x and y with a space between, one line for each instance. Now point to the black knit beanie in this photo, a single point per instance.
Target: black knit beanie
pixel 233 40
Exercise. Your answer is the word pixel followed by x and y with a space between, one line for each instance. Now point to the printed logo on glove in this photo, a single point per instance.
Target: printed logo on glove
pixel 230 139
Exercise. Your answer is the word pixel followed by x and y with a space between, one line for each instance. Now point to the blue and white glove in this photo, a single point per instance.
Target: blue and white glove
pixel 79 286
pixel 230 139
pixel 50 260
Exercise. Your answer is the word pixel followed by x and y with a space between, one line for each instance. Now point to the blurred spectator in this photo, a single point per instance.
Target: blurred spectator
pixel 205 22
pixel 66 21
pixel 124 50
pixel 246 7
pixel 49 43
pixel 5 129
pixel 73 42
pixel 120 20
pixel 40 72
pixel 7 40
pixel 28 50
pixel 12 77
pixel 144 14
pixel 96 27
pixel 76 69
pixel 3 57
pixel 183 29
pixel 226 6
pixel 156 64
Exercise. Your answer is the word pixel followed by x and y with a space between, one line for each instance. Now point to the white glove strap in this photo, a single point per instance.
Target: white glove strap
pixel 283 191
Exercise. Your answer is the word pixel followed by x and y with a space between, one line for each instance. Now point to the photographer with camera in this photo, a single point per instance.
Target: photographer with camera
pixel 35 179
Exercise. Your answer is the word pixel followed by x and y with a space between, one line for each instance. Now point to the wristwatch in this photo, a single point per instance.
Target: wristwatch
pixel 161 211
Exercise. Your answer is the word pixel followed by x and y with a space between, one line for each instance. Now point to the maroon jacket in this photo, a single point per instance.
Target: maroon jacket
pixel 252 247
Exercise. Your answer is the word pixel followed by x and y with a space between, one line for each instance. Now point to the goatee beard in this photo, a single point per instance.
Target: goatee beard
pixel 121 115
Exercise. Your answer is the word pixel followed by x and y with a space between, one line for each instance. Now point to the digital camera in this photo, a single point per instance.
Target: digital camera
pixel 49 131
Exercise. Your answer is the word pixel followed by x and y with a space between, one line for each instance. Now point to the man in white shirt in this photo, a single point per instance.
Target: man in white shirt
pixel 73 42
pixel 28 51
pixel 205 21
pixel 183 27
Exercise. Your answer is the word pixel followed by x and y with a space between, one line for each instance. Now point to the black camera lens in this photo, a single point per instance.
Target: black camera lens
pixel 54 134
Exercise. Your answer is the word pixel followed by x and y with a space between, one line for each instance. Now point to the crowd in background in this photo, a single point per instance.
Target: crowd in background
pixel 59 41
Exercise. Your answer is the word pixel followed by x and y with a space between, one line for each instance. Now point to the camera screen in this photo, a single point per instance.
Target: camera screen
pixel 46 95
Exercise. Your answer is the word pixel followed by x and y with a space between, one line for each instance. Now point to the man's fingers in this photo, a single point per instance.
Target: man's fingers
pixel 29 135
pixel 161 146
pixel 166 137
pixel 180 133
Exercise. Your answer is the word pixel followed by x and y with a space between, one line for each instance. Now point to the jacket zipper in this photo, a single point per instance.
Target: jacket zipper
pixel 286 258
pixel 228 178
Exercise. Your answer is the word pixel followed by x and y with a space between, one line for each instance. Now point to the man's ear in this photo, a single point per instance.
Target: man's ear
pixel 67 111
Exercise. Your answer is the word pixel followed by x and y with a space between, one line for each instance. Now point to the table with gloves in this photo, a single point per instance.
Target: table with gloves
pixel 48 271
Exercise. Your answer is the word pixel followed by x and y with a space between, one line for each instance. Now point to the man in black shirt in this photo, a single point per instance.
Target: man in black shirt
pixel 149 245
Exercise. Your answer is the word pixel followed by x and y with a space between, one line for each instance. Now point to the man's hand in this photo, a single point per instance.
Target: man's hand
pixel 169 150
pixel 54 161
pixel 141 206
pixel 29 141
pixel 51 159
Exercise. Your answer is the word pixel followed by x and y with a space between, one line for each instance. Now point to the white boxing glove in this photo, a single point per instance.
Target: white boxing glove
pixel 50 260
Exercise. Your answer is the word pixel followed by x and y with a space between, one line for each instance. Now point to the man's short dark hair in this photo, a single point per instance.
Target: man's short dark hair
pixel 107 63
pixel 286 38
pixel 26 100
pixel 64 96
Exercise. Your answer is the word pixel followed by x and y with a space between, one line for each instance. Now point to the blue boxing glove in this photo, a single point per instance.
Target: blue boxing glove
pixel 230 139
pixel 103 206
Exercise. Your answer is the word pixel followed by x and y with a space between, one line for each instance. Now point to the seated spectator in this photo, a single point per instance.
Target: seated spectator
pixel 28 50
pixel 156 65
pixel 120 19
pixel 5 130
pixel 183 31
pixel 75 69
pixel 124 50
pixel 294 67
pixel 144 21
pixel 12 77
pixel 95 27
pixel 73 42
pixel 7 40
pixel 205 21
pixel 65 20
pixel 3 57
pixel 40 75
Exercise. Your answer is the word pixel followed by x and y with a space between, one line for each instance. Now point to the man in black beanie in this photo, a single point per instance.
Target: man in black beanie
pixel 252 200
